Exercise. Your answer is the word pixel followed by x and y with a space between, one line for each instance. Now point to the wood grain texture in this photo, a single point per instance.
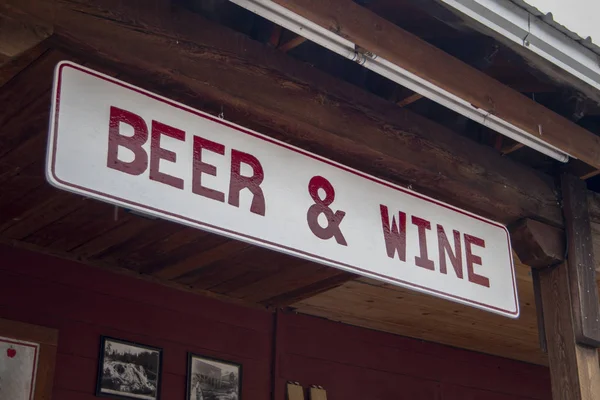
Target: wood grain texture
pixel 538 245
pixel 367 303
pixel 83 302
pixel 582 265
pixel 18 37
pixel 10 67
pixel 575 369
pixel 303 106
pixel 384 39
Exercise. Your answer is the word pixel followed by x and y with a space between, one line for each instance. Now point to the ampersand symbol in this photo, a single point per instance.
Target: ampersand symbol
pixel 321 206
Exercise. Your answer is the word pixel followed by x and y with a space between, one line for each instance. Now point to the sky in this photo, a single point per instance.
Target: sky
pixel 579 16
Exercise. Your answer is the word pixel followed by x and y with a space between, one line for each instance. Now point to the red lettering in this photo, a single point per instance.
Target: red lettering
pixel 158 153
pixel 133 143
pixel 472 259
pixel 395 238
pixel 200 167
pixel 444 248
pixel 423 260
pixel 252 183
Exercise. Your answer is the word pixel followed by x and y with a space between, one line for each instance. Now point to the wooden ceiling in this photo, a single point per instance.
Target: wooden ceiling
pixel 35 216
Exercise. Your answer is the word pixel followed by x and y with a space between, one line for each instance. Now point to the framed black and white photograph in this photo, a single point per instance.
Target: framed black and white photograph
pixel 128 370
pixel 212 379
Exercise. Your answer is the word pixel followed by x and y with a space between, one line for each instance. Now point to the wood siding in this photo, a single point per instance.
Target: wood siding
pixel 84 302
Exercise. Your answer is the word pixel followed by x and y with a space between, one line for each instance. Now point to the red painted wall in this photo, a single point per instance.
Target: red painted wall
pixel 356 363
pixel 351 363
pixel 84 302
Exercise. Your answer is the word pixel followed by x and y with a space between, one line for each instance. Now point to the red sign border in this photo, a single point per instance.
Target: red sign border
pixel 194 223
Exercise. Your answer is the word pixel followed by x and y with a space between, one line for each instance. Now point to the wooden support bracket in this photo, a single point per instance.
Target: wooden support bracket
pixel 582 270
pixel 537 245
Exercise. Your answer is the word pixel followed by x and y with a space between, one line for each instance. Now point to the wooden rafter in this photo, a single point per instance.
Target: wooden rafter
pixel 17 36
pixel 292 43
pixel 317 112
pixel 391 42
pixel 275 35
pixel 14 65
pixel 409 99
pixel 512 148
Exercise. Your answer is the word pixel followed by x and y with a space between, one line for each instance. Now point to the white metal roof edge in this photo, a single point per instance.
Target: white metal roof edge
pixel 528 27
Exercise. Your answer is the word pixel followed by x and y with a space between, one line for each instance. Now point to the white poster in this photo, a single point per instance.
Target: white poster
pixel 18 367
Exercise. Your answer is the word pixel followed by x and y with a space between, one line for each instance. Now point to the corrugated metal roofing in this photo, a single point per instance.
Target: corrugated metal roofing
pixel 548 19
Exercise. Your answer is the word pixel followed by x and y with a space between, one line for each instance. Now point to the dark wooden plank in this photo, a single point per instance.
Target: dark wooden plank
pixel 76 228
pixel 14 65
pixel 539 310
pixel 537 245
pixel 303 106
pixel 434 65
pixel 292 44
pixel 133 252
pixel 582 266
pixel 308 291
pixel 130 252
pixel 26 88
pixel 191 263
pixel 128 227
pixel 259 265
pixel 17 37
pixel 25 206
pixel 288 279
pixel 184 252
pixel 46 212
pixel 575 369
pixel 242 268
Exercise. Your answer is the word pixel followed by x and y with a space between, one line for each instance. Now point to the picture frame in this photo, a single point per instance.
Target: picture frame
pixel 210 378
pixel 128 370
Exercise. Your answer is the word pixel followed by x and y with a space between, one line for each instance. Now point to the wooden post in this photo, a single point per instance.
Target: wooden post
pixel 569 303
pixel 574 368
pixel 582 266
pixel 566 294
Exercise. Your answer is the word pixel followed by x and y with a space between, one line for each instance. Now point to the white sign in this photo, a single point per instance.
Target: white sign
pixel 121 144
pixel 18 367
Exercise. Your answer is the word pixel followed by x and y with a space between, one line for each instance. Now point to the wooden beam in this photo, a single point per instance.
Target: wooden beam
pixel 512 148
pixel 203 259
pixel 212 68
pixel 384 39
pixel 537 245
pixel 15 65
pixel 292 43
pixel 275 35
pixel 582 266
pixel 581 169
pixel 18 36
pixel 309 291
pixel 574 369
pixel 410 99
